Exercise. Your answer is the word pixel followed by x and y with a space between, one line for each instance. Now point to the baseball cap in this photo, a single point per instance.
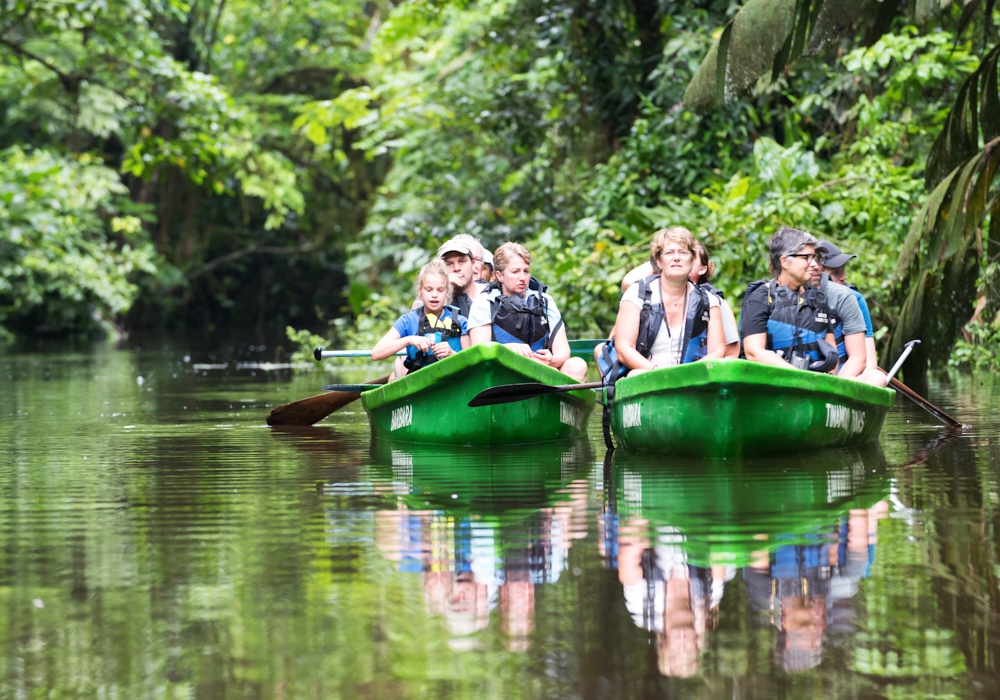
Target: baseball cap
pixel 832 256
pixel 453 246
pixel 487 257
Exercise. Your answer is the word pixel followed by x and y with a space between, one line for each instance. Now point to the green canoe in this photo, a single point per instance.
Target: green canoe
pixel 432 405
pixel 722 409
pixel 720 513
pixel 481 482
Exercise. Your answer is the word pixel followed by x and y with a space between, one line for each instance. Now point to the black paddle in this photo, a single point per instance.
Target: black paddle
pixel 510 393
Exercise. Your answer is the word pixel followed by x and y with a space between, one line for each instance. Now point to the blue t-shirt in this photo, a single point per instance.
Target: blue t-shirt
pixel 869 330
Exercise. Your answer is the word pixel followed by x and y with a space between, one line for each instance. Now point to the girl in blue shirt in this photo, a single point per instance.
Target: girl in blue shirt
pixel 428 333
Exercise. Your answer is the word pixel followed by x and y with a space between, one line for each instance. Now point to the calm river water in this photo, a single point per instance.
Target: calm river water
pixel 157 540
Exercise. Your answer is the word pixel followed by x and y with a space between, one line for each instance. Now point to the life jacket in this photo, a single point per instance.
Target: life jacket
pixel 694 340
pixel 463 301
pixel 709 287
pixel 445 329
pixel 522 319
pixel 797 324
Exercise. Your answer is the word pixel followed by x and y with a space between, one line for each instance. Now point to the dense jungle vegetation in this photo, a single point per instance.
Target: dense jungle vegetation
pixel 221 163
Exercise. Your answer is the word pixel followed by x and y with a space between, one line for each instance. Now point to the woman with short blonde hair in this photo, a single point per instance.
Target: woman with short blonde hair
pixel 666 320
pixel 516 311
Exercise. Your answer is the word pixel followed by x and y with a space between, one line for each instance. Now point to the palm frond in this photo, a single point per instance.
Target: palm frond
pixel 768 35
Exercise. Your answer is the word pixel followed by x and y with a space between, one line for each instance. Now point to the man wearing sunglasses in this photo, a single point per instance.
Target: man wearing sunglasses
pixel 785 322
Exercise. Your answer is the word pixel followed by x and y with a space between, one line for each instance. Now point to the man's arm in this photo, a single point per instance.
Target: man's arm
pixel 755 347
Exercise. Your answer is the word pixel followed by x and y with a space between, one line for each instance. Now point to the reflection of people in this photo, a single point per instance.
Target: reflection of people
pixel 470 567
pixel 668 596
pixel 805 589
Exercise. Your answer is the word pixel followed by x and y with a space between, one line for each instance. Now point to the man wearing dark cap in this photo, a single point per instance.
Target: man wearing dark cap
pixel 834 264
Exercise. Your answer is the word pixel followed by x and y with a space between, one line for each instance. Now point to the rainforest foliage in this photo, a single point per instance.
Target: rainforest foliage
pixel 222 162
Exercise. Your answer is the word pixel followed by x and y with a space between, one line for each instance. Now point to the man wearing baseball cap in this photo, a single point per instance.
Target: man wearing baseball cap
pixel 834 265
pixel 459 255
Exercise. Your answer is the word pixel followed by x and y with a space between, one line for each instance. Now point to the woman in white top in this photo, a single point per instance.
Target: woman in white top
pixel 672 255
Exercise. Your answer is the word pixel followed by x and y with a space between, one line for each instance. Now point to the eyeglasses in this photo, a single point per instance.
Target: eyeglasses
pixel 808 257
pixel 676 254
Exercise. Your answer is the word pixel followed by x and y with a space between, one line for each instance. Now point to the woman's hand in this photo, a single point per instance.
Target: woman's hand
pixel 520 349
pixel 442 350
pixel 419 342
pixel 544 356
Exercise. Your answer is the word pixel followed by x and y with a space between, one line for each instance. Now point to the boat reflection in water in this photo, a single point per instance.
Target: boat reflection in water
pixel 797 533
pixel 481 527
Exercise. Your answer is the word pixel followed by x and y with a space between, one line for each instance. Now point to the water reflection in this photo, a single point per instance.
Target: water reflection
pixel 481 527
pixel 799 533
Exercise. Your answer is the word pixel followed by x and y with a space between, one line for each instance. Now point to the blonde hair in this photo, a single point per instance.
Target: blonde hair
pixel 674 234
pixel 437 268
pixel 507 252
pixel 701 252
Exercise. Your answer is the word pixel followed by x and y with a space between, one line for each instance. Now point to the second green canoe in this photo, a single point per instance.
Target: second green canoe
pixel 432 405
pixel 722 409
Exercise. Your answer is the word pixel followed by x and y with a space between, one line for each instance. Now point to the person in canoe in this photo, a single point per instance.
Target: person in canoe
pixel 701 274
pixel 516 311
pixel 463 256
pixel 787 322
pixel 430 332
pixel 834 265
pixel 665 319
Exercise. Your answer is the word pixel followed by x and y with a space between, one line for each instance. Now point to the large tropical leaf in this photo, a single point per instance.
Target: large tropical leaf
pixel 765 36
pixel 937 269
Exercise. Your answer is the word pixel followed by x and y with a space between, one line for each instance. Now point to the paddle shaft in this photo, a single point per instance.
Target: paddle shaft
pixel 583 347
pixel 923 403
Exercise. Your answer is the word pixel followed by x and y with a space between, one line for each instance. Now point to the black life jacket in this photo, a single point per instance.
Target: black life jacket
pixel 694 341
pixel 709 287
pixel 522 319
pixel 450 331
pixel 797 324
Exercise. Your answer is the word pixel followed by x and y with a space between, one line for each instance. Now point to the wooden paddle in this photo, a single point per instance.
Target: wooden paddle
pixel 510 393
pixel 923 403
pixel 315 408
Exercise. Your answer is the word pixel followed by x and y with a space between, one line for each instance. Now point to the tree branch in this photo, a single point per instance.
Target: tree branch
pixel 249 250
pixel 212 37
pixel 69 82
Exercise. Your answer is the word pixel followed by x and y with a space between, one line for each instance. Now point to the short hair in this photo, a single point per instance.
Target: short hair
pixel 788 241
pixel 435 267
pixel 470 241
pixel 701 252
pixel 507 252
pixel 674 234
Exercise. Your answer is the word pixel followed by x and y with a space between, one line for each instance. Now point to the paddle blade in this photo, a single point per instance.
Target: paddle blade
pixel 315 408
pixel 509 393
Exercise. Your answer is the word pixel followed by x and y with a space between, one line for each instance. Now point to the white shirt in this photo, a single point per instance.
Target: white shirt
pixel 666 350
pixel 481 313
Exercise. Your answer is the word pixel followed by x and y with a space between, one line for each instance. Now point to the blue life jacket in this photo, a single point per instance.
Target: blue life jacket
pixel 447 328
pixel 797 325
pixel 694 340
pixel 522 319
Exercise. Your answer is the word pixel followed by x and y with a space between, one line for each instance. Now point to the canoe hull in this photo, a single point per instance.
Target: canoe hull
pixel 725 409
pixel 431 406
